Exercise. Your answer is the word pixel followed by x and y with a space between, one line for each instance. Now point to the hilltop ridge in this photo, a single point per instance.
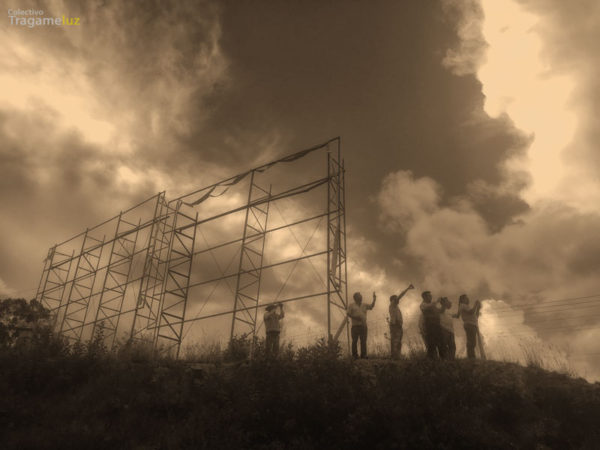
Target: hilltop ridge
pixel 308 399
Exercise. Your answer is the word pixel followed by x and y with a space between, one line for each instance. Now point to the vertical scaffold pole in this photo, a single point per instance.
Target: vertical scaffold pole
pixel 147 309
pixel 45 273
pixel 345 293
pixel 337 273
pixel 329 336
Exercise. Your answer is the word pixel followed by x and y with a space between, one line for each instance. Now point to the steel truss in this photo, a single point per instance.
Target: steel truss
pixel 173 300
pixel 116 280
pixel 53 283
pixel 98 285
pixel 147 309
pixel 80 294
pixel 247 290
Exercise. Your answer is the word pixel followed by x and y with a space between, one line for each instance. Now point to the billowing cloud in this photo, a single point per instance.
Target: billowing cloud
pixel 457 252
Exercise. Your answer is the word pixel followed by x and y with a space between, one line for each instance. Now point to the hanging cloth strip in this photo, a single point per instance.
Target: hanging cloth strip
pixel 236 179
pixel 230 182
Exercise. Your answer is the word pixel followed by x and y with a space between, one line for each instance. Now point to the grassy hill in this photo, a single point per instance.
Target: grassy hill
pixel 55 397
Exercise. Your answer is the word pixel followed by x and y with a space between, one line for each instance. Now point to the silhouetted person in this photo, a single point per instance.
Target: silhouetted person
pixel 357 311
pixel 447 329
pixel 470 321
pixel 431 326
pixel 396 323
pixel 273 328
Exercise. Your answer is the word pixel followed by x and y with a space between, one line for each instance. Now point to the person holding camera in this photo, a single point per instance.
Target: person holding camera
pixel 273 327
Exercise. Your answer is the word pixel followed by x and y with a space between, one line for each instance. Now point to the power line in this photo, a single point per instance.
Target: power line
pixel 562 318
pixel 551 301
pixel 545 308
pixel 567 327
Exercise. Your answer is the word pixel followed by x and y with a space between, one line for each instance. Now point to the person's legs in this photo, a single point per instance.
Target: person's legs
pixel 396 341
pixel 275 341
pixel 439 342
pixel 451 346
pixel 471 332
pixel 268 343
pixel 430 342
pixel 363 342
pixel 354 332
pixel 443 346
pixel 399 348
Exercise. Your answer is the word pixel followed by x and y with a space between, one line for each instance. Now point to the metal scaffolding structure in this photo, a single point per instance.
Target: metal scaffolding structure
pixel 151 279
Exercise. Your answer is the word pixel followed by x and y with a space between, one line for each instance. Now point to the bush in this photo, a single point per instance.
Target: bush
pixel 238 349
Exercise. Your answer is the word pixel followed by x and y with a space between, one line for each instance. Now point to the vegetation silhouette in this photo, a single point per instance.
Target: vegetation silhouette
pixel 57 395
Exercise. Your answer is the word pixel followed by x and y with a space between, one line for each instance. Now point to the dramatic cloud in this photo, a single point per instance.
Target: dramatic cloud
pixel 548 249
pixel 94 119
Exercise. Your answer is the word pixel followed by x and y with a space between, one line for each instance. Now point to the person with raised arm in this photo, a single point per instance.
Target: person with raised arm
pixel 272 320
pixel 357 311
pixel 395 321
pixel 470 316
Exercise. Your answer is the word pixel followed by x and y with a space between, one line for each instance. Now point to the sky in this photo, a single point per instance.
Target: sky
pixel 467 129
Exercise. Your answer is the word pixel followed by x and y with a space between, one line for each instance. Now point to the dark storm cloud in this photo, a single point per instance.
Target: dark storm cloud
pixel 310 70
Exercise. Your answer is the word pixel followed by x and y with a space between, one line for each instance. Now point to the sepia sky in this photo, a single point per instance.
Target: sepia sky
pixel 468 129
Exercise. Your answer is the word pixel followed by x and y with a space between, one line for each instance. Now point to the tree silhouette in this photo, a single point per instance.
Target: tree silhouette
pixel 19 317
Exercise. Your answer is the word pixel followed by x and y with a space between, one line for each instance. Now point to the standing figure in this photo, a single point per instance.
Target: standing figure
pixel 273 328
pixel 431 326
pixel 447 329
pixel 357 311
pixel 470 318
pixel 396 323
